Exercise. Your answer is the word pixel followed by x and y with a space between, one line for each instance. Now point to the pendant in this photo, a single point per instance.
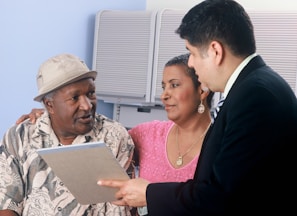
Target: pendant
pixel 179 161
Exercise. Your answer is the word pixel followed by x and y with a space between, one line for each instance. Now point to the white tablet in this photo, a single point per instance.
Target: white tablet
pixel 80 166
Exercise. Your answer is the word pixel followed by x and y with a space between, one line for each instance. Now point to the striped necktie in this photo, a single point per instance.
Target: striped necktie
pixel 217 109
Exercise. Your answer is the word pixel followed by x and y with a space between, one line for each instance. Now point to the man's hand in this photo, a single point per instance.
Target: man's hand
pixel 131 192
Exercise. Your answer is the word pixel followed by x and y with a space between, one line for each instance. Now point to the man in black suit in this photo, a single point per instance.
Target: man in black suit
pixel 247 161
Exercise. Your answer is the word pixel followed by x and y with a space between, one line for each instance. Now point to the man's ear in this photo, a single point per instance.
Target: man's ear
pixel 217 51
pixel 48 104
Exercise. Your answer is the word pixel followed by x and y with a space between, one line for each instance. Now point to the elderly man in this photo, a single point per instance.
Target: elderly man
pixel 27 185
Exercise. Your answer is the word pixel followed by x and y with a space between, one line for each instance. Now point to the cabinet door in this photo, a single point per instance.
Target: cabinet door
pixel 276 39
pixel 123 55
pixel 168 44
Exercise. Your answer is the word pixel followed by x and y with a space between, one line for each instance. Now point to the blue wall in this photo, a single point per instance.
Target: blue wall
pixel 34 30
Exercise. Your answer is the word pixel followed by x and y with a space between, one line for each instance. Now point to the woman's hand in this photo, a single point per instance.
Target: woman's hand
pixel 33 115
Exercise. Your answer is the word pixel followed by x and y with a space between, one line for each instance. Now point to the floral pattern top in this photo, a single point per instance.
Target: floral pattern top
pixel 29 187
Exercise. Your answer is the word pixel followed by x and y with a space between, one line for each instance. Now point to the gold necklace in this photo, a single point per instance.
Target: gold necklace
pixel 179 160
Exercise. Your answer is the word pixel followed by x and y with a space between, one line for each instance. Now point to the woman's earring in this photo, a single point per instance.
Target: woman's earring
pixel 201 108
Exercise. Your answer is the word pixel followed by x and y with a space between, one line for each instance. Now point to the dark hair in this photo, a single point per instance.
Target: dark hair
pixel 183 60
pixel 225 21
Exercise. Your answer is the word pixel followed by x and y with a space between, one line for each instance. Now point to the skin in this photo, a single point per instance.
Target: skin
pixel 213 65
pixel 7 213
pixel 181 99
pixel 72 110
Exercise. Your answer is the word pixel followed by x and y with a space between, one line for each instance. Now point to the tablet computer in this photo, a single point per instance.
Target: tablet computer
pixel 80 166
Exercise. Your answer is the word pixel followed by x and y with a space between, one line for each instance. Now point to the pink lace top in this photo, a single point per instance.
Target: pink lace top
pixel 150 140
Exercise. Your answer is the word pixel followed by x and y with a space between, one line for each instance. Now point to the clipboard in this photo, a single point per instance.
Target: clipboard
pixel 80 166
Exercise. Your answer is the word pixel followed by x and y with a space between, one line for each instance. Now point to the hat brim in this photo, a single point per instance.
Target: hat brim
pixel 90 74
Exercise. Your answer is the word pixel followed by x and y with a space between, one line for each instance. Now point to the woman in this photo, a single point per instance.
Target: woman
pixel 169 150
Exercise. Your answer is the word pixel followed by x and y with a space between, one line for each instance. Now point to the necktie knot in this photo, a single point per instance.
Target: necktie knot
pixel 217 109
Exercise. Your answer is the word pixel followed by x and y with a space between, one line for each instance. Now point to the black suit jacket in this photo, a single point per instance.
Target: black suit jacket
pixel 247 162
